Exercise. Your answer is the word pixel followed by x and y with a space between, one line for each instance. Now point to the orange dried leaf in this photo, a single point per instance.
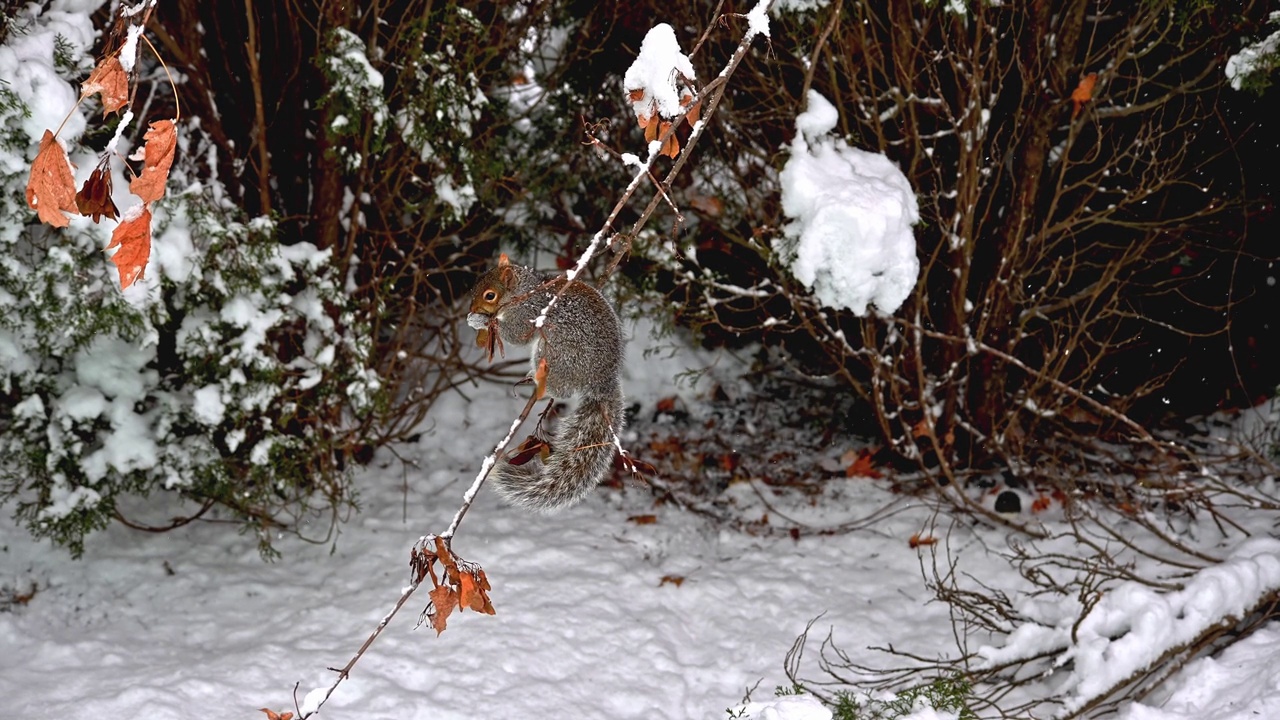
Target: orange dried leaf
pixel 917 540
pixel 161 141
pixel 273 715
pixel 1041 504
pixel 472 593
pixel 676 580
pixel 694 113
pixel 540 380
pixel 444 599
pixel 110 79
pixel 51 189
pixel 671 146
pixel 133 240
pixel 643 519
pixel 636 95
pixel 862 466
pixel 650 125
pixel 1083 92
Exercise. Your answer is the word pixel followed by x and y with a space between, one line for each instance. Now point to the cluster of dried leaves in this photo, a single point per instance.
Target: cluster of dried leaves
pixel 51 188
pixel 464 585
pixel 656 127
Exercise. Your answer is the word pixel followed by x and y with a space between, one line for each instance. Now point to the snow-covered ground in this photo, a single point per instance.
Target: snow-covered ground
pixel 193 623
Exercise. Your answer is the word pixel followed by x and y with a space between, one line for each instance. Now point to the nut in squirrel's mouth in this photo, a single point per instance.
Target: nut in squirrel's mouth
pixel 478 321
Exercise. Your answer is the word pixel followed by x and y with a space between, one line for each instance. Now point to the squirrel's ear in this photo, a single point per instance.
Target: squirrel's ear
pixel 506 274
pixel 503 260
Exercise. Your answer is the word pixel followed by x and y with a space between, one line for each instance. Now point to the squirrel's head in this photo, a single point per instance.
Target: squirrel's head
pixel 488 294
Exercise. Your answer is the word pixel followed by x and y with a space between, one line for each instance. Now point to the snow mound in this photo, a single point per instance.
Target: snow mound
pixel 850 238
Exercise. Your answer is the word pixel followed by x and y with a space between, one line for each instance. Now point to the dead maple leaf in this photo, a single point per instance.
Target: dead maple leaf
pixel 533 446
pixel 474 591
pixel 51 189
pixel 133 238
pixel 1083 92
pixel 643 519
pixel 676 580
pixel 110 79
pixel 860 465
pixel 273 715
pixel 694 113
pixel 444 599
pixel 161 141
pixel 918 540
pixel 94 199
pixel 1041 503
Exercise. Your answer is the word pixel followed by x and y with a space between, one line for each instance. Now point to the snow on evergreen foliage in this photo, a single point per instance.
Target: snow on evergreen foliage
pixel 227 377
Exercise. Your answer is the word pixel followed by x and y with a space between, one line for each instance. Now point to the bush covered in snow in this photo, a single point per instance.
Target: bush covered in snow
pixel 233 380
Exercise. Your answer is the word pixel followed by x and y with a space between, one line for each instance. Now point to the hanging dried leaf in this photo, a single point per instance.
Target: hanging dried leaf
pixel 273 715
pixel 444 599
pixel 1083 93
pixel 670 146
pixel 533 446
pixel 694 113
pixel 161 141
pixel 51 189
pixel 94 199
pixel 133 238
pixel 474 587
pixel 110 79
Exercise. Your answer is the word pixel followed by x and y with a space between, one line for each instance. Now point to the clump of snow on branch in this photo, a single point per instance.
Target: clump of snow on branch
pixel 660 75
pixel 797 6
pixel 1133 625
pixel 850 239
pixel 1262 56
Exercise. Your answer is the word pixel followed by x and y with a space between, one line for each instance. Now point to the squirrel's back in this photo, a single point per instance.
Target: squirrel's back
pixel 582 347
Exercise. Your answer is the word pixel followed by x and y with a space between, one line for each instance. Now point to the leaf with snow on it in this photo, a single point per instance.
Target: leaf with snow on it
pixel 51 189
pixel 109 79
pixel 132 237
pixel 661 77
pixel 161 142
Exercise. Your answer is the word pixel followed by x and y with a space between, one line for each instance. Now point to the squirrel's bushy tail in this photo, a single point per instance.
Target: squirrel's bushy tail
pixel 581 456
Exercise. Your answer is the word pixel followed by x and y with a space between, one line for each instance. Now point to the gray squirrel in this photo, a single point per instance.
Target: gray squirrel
pixel 576 353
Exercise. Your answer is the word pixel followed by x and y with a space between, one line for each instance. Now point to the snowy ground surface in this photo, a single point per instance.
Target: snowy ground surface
pixel 193 623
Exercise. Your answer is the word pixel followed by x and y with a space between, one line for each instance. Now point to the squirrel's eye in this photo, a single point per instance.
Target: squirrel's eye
pixel 490 296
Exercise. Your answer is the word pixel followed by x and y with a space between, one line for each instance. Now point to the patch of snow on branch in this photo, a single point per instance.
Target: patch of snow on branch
pixel 1133 625
pixel 1260 56
pixel 797 6
pixel 850 239
pixel 658 74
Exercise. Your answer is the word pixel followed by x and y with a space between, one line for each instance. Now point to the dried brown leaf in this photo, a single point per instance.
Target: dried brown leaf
pixel 51 189
pixel 133 240
pixel 94 199
pixel 110 79
pixel 161 142
pixel 445 599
